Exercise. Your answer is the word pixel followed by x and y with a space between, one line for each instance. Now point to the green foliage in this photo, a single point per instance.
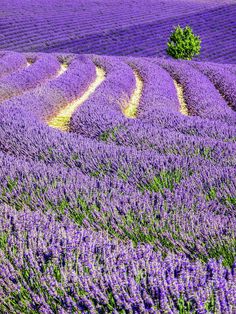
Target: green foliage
pixel 225 250
pixel 57 273
pixel 229 200
pixel 11 183
pixel 211 195
pixel 3 240
pixel 205 152
pixel 165 179
pixel 110 134
pixel 211 304
pixel 139 276
pixel 185 307
pixel 183 44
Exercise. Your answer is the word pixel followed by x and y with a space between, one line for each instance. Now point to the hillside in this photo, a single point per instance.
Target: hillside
pixel 117 27
pixel 118 184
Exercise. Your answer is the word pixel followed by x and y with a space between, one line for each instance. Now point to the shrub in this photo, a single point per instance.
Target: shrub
pixel 183 44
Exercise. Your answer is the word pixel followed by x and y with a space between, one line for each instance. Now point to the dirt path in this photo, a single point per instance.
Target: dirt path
pixel 62 119
pixel 180 94
pixel 131 110
pixel 62 70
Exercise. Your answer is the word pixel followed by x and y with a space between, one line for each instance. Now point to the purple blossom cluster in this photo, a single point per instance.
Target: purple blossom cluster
pixel 223 79
pixel 110 98
pixel 53 267
pixel 10 62
pixel 118 215
pixel 47 98
pixel 29 77
pixel 158 123
pixel 202 97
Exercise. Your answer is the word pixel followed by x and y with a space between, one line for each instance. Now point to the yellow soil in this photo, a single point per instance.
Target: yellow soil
pixel 62 119
pixel 180 94
pixel 131 108
pixel 63 69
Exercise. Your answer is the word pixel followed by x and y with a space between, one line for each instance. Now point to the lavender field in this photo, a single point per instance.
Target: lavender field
pixel 117 162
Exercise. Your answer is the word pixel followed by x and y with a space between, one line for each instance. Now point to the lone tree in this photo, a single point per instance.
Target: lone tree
pixel 183 44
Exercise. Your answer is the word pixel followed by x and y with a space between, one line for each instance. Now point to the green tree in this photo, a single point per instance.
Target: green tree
pixel 183 44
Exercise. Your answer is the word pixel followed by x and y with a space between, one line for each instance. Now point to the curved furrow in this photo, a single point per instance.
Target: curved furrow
pixel 223 80
pixel 67 224
pixel 153 136
pixel 62 70
pixel 130 111
pixel 200 95
pixel 158 94
pixel 62 119
pixel 35 73
pixel 47 100
pixel 105 107
pixel 10 62
pixel 180 93
pixel 159 106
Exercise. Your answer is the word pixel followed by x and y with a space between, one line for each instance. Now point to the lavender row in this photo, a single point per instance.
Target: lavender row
pixel 200 94
pixel 50 266
pixel 224 66
pixel 144 136
pixel 158 106
pixel 224 81
pixel 46 100
pixel 158 96
pixel 159 93
pixel 22 135
pixel 42 68
pixel 105 106
pixel 193 126
pixel 161 119
pixel 10 62
pixel 170 211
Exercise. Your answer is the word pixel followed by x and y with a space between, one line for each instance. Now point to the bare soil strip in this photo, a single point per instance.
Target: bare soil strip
pixel 62 119
pixel 180 94
pixel 62 70
pixel 131 110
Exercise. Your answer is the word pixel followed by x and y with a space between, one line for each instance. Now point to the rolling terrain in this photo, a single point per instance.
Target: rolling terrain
pixel 117 27
pixel 117 163
pixel 118 185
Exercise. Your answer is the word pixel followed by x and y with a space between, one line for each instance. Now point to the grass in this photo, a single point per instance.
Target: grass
pixel 165 179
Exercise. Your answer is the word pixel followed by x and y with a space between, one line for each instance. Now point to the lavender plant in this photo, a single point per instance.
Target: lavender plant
pixel 116 214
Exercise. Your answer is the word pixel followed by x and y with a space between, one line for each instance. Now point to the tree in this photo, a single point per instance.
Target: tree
pixel 183 44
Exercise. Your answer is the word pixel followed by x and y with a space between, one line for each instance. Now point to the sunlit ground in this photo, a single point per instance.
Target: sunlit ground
pixel 180 94
pixel 62 119
pixel 131 109
pixel 62 70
